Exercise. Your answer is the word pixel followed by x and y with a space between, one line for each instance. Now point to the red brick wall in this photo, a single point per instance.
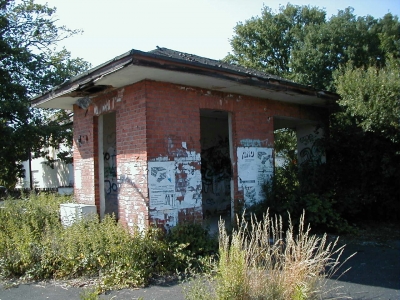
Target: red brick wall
pixel 132 156
pixel 173 117
pixel 161 121
pixel 85 148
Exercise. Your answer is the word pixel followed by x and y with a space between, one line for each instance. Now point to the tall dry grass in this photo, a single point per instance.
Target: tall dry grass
pixel 261 260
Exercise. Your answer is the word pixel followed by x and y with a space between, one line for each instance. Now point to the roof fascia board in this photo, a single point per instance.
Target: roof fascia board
pixel 83 79
pixel 269 83
pixel 140 58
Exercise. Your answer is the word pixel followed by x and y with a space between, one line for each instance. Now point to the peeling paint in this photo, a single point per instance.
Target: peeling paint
pixel 174 150
pixel 107 105
pixel 185 88
pixel 104 107
pixel 250 143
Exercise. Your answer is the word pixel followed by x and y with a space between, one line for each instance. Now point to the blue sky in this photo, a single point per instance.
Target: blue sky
pixel 201 27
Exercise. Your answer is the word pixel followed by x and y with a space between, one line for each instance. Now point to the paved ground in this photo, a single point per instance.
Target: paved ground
pixel 375 274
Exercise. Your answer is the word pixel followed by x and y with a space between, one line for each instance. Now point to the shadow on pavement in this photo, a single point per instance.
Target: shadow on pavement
pixel 375 264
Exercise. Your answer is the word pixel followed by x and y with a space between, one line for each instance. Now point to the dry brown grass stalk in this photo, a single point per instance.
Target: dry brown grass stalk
pixel 260 260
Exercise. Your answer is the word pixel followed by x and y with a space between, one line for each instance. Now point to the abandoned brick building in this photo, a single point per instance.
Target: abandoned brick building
pixel 163 136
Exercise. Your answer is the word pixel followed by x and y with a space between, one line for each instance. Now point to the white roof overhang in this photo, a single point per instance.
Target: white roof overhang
pixel 129 70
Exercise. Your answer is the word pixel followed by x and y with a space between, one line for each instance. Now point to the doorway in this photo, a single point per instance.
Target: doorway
pixel 108 165
pixel 216 167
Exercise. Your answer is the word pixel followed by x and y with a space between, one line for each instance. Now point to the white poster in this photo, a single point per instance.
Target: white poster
pixel 255 168
pixel 188 183
pixel 161 182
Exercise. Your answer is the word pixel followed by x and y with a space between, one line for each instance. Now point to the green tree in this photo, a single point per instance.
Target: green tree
pixel 30 65
pixel 267 42
pixel 365 141
pixel 372 97
pixel 358 57
pixel 301 44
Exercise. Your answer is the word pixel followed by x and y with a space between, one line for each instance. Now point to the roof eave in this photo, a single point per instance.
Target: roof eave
pixel 161 62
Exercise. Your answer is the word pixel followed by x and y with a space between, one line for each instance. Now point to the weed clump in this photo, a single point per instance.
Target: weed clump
pixel 36 246
pixel 260 260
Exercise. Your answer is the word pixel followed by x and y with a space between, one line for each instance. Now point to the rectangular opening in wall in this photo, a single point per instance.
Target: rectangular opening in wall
pixel 109 152
pixel 298 141
pixel 216 168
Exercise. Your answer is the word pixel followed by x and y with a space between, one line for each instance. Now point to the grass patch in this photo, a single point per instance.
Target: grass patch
pixel 260 260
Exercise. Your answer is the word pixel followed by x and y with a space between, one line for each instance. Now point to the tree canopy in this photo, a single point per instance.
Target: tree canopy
pixel 372 97
pixel 302 44
pixel 357 57
pixel 30 65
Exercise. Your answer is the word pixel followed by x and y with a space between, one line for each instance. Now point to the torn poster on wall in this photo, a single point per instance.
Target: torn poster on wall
pixel 188 181
pixel 174 188
pixel 255 168
pixel 167 217
pixel 161 182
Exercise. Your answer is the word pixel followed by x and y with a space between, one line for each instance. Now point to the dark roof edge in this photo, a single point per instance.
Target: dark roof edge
pixel 127 58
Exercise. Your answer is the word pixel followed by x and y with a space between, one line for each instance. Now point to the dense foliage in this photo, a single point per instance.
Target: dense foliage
pixel 30 65
pixel 357 57
pixel 371 98
pixel 300 43
pixel 34 245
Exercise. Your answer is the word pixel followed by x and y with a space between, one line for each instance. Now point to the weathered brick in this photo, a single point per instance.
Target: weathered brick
pixel 154 120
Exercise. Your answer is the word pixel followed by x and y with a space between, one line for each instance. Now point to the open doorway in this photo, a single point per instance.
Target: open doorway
pixel 298 140
pixel 216 168
pixel 108 165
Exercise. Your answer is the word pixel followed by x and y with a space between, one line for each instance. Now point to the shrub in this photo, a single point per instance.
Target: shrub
pixel 36 246
pixel 23 222
pixel 196 239
pixel 261 261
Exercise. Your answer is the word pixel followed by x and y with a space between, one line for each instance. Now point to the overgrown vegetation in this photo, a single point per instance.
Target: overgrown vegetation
pixel 261 261
pixel 335 200
pixel 36 246
pixel 295 189
pixel 357 57
pixel 257 261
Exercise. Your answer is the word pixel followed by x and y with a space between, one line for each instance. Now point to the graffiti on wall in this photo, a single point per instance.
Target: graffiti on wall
pixel 110 169
pixel 216 176
pixel 311 149
pixel 255 168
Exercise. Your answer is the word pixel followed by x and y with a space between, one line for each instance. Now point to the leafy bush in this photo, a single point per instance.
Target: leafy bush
pixel 23 222
pixel 36 246
pixel 293 190
pixel 196 238
pixel 261 261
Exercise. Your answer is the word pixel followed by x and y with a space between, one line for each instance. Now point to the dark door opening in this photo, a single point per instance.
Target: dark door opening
pixel 216 168
pixel 110 164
